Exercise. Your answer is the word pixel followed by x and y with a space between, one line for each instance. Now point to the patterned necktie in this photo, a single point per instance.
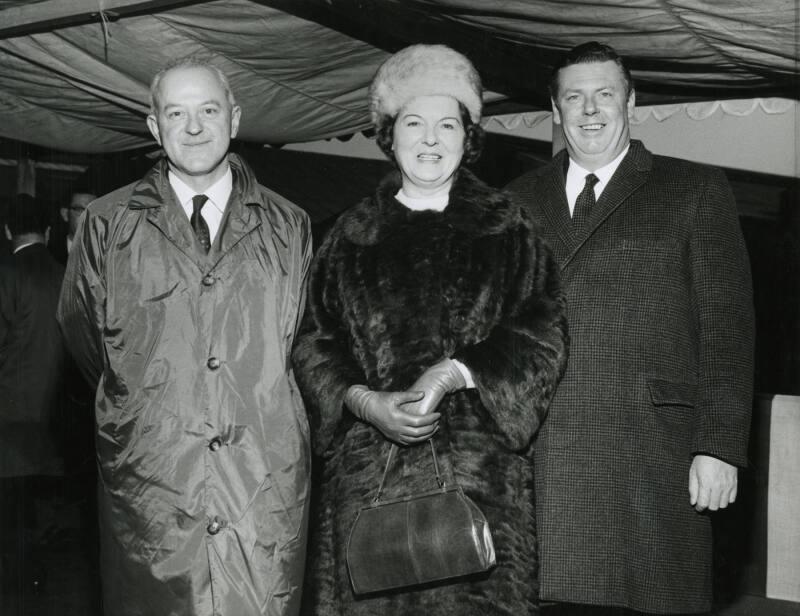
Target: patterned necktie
pixel 584 203
pixel 198 222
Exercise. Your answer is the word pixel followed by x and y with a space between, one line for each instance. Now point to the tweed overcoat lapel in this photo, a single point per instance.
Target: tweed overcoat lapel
pixel 554 209
pixel 632 172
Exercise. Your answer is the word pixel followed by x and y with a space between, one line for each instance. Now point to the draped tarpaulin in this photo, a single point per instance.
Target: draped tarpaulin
pixel 79 88
pixel 74 75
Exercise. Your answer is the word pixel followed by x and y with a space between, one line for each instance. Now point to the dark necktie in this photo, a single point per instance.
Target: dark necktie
pixel 584 203
pixel 198 222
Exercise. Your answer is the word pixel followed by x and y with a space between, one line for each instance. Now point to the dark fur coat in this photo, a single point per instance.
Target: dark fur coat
pixel 393 291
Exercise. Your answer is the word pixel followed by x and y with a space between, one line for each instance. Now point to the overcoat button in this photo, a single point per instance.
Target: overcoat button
pixel 214 526
pixel 208 280
pixel 213 363
pixel 215 444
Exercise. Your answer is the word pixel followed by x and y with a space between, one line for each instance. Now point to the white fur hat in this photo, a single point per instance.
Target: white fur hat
pixel 425 70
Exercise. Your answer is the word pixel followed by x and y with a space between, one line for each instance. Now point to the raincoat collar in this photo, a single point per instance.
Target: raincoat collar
pixel 150 190
pixel 154 195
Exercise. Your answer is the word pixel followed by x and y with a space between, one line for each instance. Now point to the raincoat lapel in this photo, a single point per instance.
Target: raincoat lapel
pixel 241 213
pixel 155 195
pixel 239 220
pixel 173 224
pixel 247 210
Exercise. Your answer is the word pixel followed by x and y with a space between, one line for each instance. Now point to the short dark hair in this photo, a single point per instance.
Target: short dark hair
pixel 474 136
pixel 26 214
pixel 587 53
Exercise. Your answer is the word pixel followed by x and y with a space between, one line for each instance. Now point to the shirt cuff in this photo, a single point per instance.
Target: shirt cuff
pixel 465 373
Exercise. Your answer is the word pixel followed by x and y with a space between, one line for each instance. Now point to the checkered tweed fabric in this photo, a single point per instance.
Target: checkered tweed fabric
pixel 661 364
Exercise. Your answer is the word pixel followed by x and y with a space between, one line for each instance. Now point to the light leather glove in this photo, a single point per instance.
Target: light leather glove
pixel 436 382
pixel 386 411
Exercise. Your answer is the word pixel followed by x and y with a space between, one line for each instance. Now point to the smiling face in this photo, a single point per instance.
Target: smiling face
pixel 594 109
pixel 428 144
pixel 194 123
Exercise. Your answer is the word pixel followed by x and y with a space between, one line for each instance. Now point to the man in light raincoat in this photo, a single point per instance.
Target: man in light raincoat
pixel 181 300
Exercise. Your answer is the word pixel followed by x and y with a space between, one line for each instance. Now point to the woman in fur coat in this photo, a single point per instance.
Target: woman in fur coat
pixel 434 311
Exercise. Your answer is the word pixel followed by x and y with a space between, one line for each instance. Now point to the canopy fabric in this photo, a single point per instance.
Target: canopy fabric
pixel 76 90
pixel 77 79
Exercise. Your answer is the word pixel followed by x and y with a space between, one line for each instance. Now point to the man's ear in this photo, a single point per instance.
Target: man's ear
pixel 152 124
pixel 8 232
pixel 236 115
pixel 47 236
pixel 631 104
pixel 64 211
pixel 556 112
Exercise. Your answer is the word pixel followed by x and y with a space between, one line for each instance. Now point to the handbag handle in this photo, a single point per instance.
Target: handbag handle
pixel 392 452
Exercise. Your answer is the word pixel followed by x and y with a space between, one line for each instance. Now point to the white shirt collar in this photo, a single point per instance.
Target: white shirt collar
pixel 576 177
pixel 18 248
pixel 218 194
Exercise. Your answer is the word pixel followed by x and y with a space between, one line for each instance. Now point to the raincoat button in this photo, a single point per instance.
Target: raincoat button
pixel 213 363
pixel 214 526
pixel 208 280
pixel 215 444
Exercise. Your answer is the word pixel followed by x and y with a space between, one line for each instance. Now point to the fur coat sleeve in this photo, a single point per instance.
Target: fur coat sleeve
pixel 324 363
pixel 518 365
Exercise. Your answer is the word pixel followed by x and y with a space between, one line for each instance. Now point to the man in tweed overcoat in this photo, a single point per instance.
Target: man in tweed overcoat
pixel 650 422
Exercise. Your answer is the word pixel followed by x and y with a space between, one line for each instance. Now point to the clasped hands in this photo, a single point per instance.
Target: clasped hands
pixel 407 417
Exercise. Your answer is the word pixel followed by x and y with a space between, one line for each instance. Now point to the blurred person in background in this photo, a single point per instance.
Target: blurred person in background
pixel 32 359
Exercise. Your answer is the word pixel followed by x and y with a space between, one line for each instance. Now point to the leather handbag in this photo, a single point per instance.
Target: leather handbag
pixel 417 539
